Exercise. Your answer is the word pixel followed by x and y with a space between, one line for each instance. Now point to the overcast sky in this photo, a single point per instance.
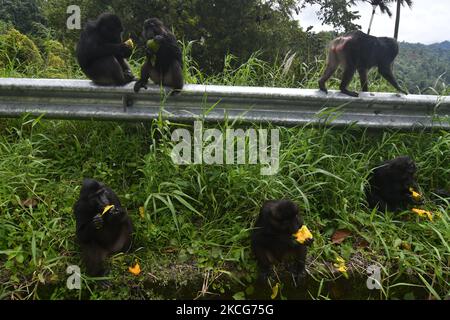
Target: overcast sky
pixel 428 21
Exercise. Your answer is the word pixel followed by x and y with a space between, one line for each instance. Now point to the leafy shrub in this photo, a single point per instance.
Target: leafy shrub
pixel 18 51
pixel 57 59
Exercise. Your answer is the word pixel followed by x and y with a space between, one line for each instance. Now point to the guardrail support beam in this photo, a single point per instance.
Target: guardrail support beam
pixel 81 99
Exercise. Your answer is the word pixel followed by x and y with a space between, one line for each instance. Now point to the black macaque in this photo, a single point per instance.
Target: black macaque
pixel 102 54
pixel 163 63
pixel 390 183
pixel 357 51
pixel 100 234
pixel 273 238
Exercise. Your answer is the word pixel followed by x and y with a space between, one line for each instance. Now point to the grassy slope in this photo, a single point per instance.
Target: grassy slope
pixel 197 218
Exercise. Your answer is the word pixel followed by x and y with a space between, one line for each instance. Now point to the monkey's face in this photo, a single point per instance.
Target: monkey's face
pixel 284 218
pixel 404 170
pixel 152 28
pixel 110 28
pixel 99 199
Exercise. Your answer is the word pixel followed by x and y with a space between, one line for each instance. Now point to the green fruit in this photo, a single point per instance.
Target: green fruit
pixel 153 45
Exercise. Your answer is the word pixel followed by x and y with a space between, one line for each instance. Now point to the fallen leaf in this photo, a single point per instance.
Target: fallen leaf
pixel 29 203
pixel 362 243
pixel 406 246
pixel 340 235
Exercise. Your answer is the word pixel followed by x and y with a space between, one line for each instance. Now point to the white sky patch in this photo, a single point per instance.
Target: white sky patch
pixel 428 21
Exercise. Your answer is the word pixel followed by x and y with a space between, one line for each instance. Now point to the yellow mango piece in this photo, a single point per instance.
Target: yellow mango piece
pixel 107 208
pixel 275 290
pixel 415 195
pixel 423 213
pixel 340 260
pixel 130 43
pixel 342 269
pixel 136 270
pixel 303 234
pixel 340 266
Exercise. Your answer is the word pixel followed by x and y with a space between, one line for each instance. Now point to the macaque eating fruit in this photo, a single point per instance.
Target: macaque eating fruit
pixel 103 226
pixel 101 53
pixel 303 234
pixel 392 185
pixel 280 235
pixel 164 61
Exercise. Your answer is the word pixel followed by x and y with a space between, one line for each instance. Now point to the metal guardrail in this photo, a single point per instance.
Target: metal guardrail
pixel 80 99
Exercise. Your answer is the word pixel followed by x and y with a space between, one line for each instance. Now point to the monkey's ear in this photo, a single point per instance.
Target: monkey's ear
pixel 410 163
pixel 402 164
pixel 266 211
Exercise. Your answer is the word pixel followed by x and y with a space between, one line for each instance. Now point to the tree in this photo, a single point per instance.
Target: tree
pixel 336 13
pixel 220 26
pixel 397 17
pixel 55 13
pixel 23 14
pixel 382 4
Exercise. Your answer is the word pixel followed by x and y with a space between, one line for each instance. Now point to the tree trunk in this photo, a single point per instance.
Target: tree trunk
pixel 371 18
pixel 397 20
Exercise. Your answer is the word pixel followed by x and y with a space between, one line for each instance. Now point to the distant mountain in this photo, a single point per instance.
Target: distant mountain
pixel 421 66
pixel 442 45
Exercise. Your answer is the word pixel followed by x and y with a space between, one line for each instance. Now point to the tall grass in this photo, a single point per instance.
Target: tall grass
pixel 197 218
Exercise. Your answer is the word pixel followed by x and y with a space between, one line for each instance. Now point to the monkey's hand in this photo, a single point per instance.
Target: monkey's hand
pixel 98 222
pixel 149 52
pixel 308 242
pixel 118 214
pixel 138 85
pixel 159 38
pixel 294 243
pixel 125 50
pixel 128 74
pixel 152 47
